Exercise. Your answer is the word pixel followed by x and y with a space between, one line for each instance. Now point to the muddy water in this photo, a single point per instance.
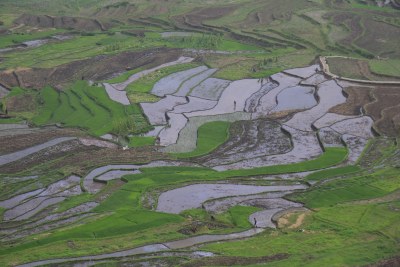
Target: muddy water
pixel 8 158
pixel 192 196
pixel 14 201
pixel 305 147
pixel 330 118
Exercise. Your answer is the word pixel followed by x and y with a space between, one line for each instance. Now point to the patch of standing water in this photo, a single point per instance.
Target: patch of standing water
pixel 192 82
pixel 192 196
pixel 171 83
pixel 330 95
pixel 169 135
pixel 305 147
pixel 304 72
pixel 184 243
pixel 210 89
pixel 8 158
pixel 116 95
pixel 154 132
pixel 294 98
pixel 267 101
pixel 156 112
pixel 187 139
pixel 232 99
pixel 136 76
pixel 330 118
pixel 115 174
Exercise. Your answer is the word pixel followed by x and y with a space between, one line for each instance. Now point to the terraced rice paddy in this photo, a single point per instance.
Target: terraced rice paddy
pixel 85 106
pixel 191 197
pixel 199 133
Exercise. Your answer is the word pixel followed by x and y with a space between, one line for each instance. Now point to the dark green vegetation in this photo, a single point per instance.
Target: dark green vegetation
pixel 90 108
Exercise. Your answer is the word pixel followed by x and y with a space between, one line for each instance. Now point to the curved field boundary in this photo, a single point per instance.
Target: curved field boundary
pixel 305 147
pixel 187 140
pixel 330 118
pixel 116 95
pixel 210 136
pixel 232 99
pixel 91 186
pixel 172 245
pixel 295 98
pixel 169 134
pixel 210 89
pixel 8 158
pixel 254 100
pixel 156 112
pixel 192 196
pixel 303 73
pixel 136 76
pixel 268 101
pixel 170 84
pixel 187 86
pixel 330 94
pixel 249 139
pixel 194 104
pixel 325 69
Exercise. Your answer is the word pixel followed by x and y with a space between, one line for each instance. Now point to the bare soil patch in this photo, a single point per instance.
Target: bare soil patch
pixel 249 139
pixel 357 98
pixel 97 68
pixel 21 103
pixel 12 143
pixel 197 17
pixel 355 69
pixel 51 154
pixel 235 261
pixel 76 23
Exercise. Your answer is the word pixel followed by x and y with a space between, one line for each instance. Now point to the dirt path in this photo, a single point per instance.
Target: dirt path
pixel 325 69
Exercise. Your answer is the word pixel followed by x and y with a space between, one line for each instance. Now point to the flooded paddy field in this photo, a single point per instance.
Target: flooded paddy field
pixel 286 120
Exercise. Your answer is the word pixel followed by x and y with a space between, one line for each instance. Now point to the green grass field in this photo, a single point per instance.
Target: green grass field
pixel 86 107
pixel 209 137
